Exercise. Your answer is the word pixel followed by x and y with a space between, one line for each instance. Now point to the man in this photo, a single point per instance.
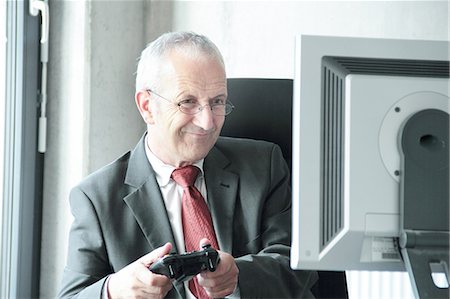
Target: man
pixel 131 212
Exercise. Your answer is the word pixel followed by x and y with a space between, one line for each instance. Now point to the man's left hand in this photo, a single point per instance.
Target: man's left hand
pixel 223 281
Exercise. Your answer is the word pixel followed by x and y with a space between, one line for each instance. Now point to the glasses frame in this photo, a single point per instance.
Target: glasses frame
pixel 228 106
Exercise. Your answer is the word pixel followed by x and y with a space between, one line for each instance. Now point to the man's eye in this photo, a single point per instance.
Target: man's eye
pixel 188 102
pixel 218 101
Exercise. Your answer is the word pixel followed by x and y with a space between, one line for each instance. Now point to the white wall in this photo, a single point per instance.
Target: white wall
pixel 93 51
pixel 66 141
pixel 257 37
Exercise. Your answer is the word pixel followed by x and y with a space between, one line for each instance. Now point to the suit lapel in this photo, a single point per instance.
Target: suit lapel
pixel 222 188
pixel 147 205
pixel 146 202
pixel 148 208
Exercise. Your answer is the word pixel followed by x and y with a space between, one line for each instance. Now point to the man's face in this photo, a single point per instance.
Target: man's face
pixel 178 138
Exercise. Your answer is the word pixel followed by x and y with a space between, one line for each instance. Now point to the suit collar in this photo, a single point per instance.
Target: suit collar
pixel 139 169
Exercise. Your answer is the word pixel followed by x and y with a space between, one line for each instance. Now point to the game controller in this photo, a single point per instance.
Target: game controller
pixel 183 267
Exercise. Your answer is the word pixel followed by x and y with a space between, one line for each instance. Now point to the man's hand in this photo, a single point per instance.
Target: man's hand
pixel 223 281
pixel 137 281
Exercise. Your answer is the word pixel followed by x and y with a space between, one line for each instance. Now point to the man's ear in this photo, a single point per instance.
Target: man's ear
pixel 142 99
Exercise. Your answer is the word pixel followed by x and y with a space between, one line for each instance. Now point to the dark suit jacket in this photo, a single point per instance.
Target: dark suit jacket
pixel 119 216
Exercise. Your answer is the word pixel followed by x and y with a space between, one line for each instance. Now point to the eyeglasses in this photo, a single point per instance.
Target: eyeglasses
pixel 193 107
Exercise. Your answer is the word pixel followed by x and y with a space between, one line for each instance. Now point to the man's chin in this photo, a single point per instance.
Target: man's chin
pixel 197 153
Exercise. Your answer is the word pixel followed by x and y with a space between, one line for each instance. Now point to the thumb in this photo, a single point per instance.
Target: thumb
pixel 159 252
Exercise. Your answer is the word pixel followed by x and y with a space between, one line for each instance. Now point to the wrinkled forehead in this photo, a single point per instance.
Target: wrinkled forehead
pixel 191 53
pixel 195 70
pixel 153 68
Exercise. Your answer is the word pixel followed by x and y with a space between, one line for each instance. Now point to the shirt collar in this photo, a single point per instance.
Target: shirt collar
pixel 164 171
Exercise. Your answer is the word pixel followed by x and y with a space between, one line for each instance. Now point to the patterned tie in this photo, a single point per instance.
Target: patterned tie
pixel 197 222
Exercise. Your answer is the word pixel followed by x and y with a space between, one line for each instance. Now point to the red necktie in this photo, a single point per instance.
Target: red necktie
pixel 196 219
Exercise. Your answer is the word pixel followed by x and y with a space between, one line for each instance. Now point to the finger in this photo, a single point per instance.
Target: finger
pixel 224 280
pixel 149 278
pixel 159 252
pixel 155 291
pixel 218 287
pixel 153 284
pixel 222 268
pixel 204 242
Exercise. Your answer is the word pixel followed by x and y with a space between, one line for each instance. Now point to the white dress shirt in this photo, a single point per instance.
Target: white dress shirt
pixel 172 194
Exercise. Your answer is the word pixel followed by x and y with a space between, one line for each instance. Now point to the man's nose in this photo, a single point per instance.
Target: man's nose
pixel 205 118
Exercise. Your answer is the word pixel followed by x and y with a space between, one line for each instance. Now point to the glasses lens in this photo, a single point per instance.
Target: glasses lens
pixel 218 109
pixel 228 108
pixel 189 108
pixel 222 109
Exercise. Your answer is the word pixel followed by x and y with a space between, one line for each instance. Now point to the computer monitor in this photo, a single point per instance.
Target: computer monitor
pixel 352 98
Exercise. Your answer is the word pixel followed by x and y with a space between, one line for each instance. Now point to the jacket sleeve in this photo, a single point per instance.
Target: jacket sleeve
pixel 87 265
pixel 267 273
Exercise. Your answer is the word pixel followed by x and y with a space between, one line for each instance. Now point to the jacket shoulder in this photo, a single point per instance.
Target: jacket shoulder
pixel 248 152
pixel 107 176
pixel 243 143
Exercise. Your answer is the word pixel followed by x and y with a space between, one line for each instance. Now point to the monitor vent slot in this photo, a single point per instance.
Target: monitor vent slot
pixel 392 67
pixel 332 155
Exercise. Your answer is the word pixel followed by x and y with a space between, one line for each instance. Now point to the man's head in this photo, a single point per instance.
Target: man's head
pixel 181 69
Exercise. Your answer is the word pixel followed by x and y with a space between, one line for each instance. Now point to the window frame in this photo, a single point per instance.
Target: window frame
pixel 23 165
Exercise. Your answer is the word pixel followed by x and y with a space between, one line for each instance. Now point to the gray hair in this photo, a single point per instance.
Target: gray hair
pixel 152 57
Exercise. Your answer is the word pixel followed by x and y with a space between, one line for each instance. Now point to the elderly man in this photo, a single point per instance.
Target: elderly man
pixel 136 210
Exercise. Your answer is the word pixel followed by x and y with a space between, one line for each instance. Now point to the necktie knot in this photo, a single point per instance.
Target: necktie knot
pixel 185 176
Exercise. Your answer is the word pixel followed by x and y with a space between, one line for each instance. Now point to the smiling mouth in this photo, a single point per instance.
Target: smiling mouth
pixel 200 134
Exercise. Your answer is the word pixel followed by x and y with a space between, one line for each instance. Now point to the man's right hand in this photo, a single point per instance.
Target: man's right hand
pixel 137 281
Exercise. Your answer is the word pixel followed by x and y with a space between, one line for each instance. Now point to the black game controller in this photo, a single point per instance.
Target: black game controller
pixel 183 267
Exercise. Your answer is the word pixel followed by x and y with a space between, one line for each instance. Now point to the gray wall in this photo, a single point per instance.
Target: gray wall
pixel 93 50
pixel 91 112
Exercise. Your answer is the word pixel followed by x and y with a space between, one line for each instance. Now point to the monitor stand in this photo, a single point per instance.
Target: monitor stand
pixel 424 203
